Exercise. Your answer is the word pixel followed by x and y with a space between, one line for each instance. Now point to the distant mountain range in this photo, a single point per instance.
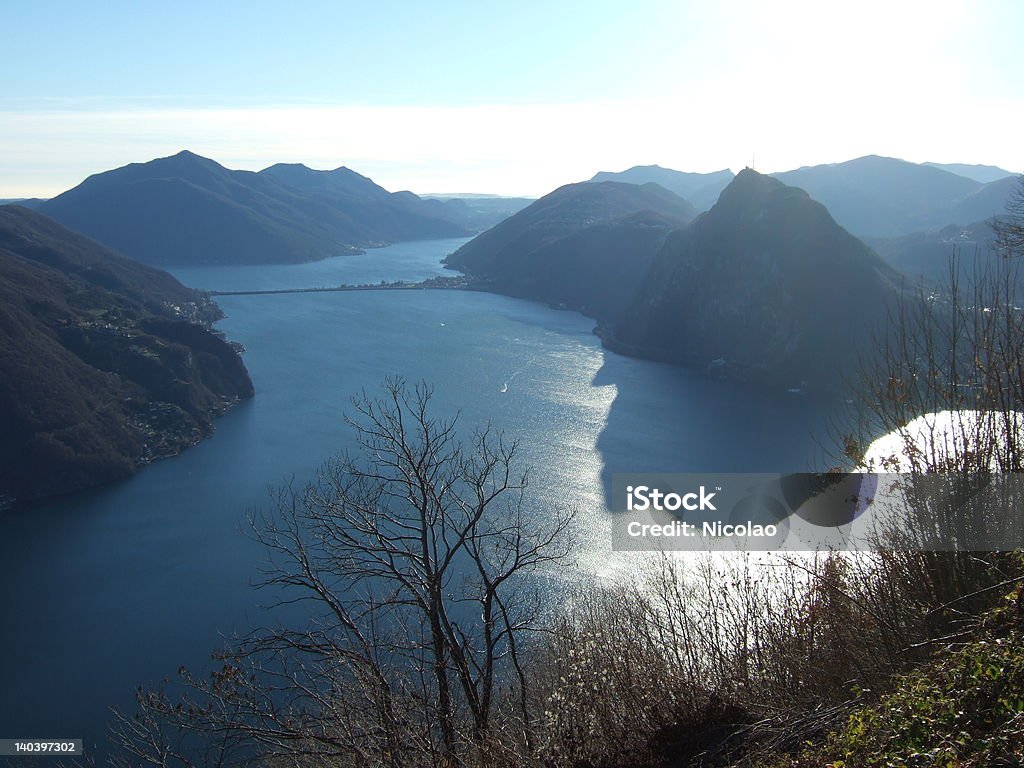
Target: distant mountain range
pixel 483 211
pixel 189 210
pixel 764 284
pixel 105 363
pixel 701 189
pixel 884 197
pixel 980 173
pixel 930 257
pixel 584 246
pixel 870 196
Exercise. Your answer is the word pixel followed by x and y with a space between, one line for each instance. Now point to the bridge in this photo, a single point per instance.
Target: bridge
pixel 436 283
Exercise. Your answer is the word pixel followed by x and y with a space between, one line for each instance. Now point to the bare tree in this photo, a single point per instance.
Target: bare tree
pixel 422 566
pixel 948 382
pixel 1009 229
pixel 959 351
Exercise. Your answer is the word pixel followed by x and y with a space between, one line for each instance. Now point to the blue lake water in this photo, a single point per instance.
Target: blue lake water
pixel 119 587
pixel 403 261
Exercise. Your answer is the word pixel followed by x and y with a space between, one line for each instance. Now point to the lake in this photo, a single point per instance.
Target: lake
pixel 119 587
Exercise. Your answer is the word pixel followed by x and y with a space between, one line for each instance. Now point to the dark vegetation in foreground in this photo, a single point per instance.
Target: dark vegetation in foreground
pixel 105 363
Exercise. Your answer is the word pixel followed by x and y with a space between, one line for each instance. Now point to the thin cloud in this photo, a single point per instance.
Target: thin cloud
pixel 506 148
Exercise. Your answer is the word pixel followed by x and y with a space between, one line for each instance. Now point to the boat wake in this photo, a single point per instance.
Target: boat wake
pixel 504 386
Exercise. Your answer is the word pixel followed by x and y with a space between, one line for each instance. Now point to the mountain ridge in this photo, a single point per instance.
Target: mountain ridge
pixel 701 189
pixel 975 171
pixel 186 209
pixel 876 196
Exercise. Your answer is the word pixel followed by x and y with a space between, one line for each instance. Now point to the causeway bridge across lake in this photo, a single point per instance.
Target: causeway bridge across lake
pixel 446 283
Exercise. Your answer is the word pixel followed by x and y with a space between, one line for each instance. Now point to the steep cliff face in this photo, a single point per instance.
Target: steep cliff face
pixel 586 246
pixel 105 364
pixel 765 283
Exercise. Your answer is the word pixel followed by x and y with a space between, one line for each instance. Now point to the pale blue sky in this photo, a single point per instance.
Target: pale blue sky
pixel 505 97
pixel 366 52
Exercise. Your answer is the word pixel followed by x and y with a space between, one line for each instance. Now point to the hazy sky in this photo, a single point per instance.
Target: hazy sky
pixel 513 98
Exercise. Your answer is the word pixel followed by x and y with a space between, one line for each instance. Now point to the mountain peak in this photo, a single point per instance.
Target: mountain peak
pixel 299 167
pixel 340 184
pixel 879 159
pixel 183 163
pixel 749 187
pixel 185 156
pixel 748 176
pixel 765 280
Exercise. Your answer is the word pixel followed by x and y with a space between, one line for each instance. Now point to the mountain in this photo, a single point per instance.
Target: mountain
pixel 701 189
pixel 479 211
pixel 980 173
pixel 105 363
pixel 340 184
pixel 884 197
pixel 765 284
pixel 584 246
pixel 926 255
pixel 394 215
pixel 189 210
pixel 983 203
pixel 929 257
